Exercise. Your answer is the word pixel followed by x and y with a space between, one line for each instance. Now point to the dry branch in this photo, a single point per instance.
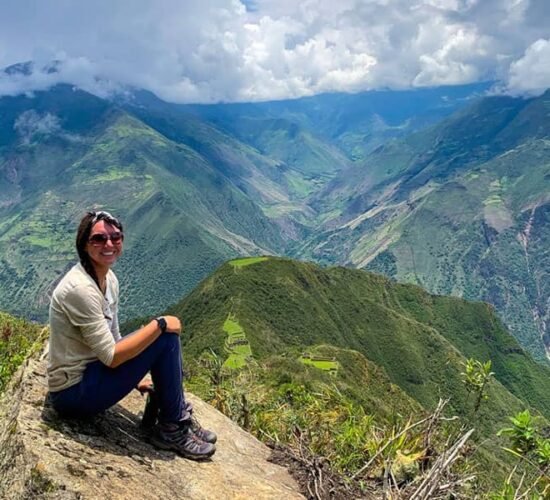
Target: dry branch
pixel 444 461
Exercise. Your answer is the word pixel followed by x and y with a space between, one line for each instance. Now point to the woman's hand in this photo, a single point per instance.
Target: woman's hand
pixel 173 324
pixel 146 385
pixel 131 345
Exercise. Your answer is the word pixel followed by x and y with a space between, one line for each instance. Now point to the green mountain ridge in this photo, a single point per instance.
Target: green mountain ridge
pixel 184 214
pixel 459 209
pixel 418 339
pixel 398 348
pixel 456 208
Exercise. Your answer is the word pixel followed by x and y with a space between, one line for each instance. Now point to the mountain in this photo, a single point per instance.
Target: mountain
pixel 419 340
pixel 195 185
pixel 461 208
pixel 386 352
pixel 65 151
pixel 355 123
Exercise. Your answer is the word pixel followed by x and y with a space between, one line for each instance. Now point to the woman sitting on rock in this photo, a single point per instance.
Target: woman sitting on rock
pixel 91 367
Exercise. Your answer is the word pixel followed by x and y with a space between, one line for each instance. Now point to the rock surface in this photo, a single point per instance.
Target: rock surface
pixel 42 456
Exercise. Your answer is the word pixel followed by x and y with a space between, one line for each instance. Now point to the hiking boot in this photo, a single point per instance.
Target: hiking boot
pixel 181 440
pixel 150 416
pixel 151 411
pixel 202 433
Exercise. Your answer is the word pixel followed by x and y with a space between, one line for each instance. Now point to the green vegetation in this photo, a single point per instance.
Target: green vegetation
pixel 18 338
pixel 236 344
pixel 326 364
pixel 246 261
pixel 459 210
pixel 398 350
pixel 530 478
pixel 279 395
pixel 477 376
pixel 421 341
pixel 320 418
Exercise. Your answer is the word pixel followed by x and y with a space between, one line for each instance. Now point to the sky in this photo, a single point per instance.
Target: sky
pixel 250 50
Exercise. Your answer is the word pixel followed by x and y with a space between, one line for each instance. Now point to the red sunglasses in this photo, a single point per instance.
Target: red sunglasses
pixel 100 239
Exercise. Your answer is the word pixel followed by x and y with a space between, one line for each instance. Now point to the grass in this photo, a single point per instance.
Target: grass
pixel 246 261
pixel 236 344
pixel 329 365
pixel 111 175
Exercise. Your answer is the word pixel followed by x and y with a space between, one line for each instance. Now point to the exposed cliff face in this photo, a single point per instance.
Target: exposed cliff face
pixel 42 456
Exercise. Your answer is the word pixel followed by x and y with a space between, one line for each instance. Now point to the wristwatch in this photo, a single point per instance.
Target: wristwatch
pixel 162 324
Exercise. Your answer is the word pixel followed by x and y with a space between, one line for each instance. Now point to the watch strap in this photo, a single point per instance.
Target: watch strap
pixel 161 323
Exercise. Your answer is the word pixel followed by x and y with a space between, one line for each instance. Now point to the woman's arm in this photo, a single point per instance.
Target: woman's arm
pixel 132 345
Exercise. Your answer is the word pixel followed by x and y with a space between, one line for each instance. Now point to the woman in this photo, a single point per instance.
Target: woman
pixel 91 367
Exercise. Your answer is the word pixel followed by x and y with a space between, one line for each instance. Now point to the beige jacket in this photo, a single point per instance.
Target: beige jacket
pixel 83 326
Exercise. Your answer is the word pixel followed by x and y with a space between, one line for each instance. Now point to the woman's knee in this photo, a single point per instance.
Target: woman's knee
pixel 170 340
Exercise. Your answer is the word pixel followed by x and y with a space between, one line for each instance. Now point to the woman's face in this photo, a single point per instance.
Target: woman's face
pixel 101 248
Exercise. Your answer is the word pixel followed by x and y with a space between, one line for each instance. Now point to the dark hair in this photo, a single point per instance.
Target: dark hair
pixel 83 235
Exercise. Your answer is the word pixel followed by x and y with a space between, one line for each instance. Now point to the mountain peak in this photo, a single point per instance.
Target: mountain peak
pixel 27 68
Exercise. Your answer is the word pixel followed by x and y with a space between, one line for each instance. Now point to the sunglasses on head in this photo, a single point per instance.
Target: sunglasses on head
pixel 100 239
pixel 101 215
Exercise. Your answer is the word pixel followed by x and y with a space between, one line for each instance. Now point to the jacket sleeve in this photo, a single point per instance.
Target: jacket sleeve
pixel 84 308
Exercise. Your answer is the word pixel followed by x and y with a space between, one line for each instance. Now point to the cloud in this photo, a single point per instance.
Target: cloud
pixel 531 73
pixel 228 50
pixel 30 123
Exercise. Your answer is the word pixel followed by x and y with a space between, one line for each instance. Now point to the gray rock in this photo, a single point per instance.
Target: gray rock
pixel 42 456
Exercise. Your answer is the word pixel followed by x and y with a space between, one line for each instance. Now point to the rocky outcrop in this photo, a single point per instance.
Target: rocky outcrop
pixel 42 456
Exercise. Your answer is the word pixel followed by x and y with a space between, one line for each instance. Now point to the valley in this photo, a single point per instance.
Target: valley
pixel 329 228
pixel 396 182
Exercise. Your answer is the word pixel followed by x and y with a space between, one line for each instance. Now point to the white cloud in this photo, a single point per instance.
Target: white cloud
pixel 531 73
pixel 455 61
pixel 30 123
pixel 212 50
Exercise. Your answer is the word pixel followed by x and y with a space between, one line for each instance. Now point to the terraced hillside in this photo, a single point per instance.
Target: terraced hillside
pixel 236 346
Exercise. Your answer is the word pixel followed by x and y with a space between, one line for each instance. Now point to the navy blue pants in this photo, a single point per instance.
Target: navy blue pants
pixel 101 387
